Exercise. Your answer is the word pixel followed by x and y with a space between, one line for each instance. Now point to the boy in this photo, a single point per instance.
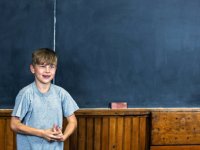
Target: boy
pixel 39 108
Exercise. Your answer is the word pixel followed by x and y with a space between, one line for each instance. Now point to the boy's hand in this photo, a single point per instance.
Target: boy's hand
pixel 52 135
pixel 58 130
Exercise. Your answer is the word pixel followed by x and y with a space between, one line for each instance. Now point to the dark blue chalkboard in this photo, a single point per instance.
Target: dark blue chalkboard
pixel 144 52
pixel 25 25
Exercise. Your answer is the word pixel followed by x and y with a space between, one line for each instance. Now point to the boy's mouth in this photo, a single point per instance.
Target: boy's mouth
pixel 46 76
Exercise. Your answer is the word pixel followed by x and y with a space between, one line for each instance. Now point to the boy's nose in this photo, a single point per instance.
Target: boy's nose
pixel 47 69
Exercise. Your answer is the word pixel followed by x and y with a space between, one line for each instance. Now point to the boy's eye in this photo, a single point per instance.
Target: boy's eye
pixel 52 66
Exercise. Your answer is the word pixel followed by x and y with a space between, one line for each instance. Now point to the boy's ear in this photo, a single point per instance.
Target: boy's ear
pixel 32 68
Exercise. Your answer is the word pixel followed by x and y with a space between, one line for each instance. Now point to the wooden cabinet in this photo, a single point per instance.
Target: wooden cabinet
pixel 103 129
pixel 175 130
pixel 7 137
pixel 110 130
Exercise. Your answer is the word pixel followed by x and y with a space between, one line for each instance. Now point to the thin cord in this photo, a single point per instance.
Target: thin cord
pixel 54 30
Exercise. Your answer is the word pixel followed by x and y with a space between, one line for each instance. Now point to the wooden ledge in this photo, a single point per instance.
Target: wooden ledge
pixel 94 112
pixel 112 112
pixel 115 112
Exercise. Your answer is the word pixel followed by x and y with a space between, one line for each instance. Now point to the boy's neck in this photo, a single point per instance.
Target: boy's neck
pixel 43 88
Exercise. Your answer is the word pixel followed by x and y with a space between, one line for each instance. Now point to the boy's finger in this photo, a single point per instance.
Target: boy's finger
pixel 57 137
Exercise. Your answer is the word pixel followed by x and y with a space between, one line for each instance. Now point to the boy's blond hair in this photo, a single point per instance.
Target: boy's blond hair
pixel 44 56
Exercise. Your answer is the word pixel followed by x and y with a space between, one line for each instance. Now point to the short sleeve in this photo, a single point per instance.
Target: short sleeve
pixel 69 106
pixel 22 104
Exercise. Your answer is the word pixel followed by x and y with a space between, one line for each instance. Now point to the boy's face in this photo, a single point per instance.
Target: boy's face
pixel 44 73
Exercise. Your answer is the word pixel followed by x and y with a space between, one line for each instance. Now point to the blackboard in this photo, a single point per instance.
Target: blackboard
pixel 25 25
pixel 146 53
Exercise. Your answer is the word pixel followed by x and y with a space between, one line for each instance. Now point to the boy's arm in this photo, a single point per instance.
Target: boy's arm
pixel 19 127
pixel 71 126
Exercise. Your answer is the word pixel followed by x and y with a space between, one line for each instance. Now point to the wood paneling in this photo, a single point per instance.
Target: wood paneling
pixel 183 147
pixel 128 129
pixel 112 130
pixel 7 137
pixel 175 128
pixel 97 130
pixel 2 132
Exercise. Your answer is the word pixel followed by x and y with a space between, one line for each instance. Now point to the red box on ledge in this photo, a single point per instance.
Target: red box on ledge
pixel 118 105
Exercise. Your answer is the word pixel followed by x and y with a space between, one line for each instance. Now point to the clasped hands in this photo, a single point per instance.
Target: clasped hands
pixel 53 134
